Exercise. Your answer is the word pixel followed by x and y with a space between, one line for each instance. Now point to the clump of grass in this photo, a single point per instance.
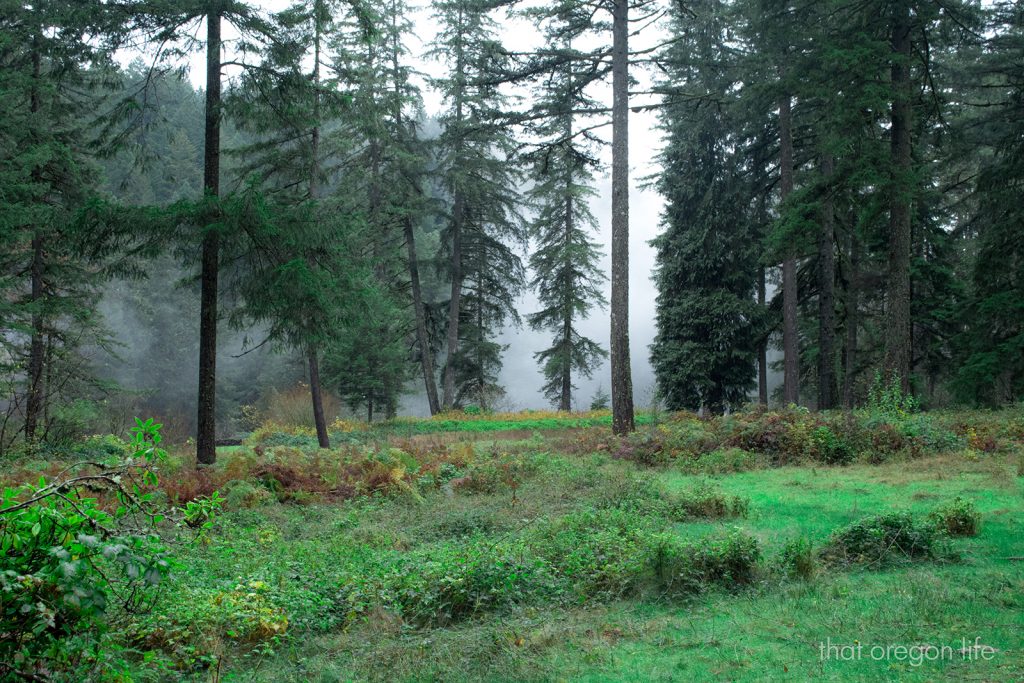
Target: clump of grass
pixel 242 494
pixel 883 540
pixel 798 560
pixel 722 461
pixel 687 567
pixel 706 501
pixel 959 517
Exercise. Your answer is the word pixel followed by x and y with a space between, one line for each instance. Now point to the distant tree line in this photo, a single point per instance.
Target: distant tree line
pixel 860 160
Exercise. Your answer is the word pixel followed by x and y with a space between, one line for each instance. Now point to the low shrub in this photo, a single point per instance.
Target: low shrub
pixel 646 448
pixel 451 583
pixel 959 517
pixel 71 551
pixel 883 540
pixel 722 461
pixel 599 553
pixel 686 567
pixel 242 494
pixel 829 448
pixel 705 501
pixel 466 522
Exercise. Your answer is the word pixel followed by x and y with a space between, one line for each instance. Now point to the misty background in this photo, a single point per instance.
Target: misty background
pixel 155 321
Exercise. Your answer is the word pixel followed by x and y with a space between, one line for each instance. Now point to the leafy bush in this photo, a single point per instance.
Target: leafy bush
pixel 246 612
pixel 722 461
pixel 686 567
pixel 644 448
pixel 705 501
pixel 959 517
pixel 889 399
pixel 466 522
pixel 600 553
pixel 829 448
pixel 451 583
pixel 242 494
pixel 882 540
pixel 67 561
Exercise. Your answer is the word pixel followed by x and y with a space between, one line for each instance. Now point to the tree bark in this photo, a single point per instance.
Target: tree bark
pixel 851 320
pixel 897 308
pixel 565 399
pixel 34 400
pixel 790 344
pixel 37 347
pixel 458 216
pixel 762 349
pixel 454 304
pixel 622 379
pixel 826 296
pixel 206 450
pixel 419 310
pixel 315 387
pixel 322 436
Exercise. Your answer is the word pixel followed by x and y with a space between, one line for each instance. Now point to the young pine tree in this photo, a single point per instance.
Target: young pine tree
pixel 709 322
pixel 474 155
pixel 565 261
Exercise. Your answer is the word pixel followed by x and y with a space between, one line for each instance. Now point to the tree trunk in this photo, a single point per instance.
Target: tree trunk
pixel 37 347
pixel 790 344
pixel 565 399
pixel 851 321
pixel 762 349
pixel 206 450
pixel 454 304
pixel 897 304
pixel 34 400
pixel 458 216
pixel 315 389
pixel 826 296
pixel 322 436
pixel 419 311
pixel 622 379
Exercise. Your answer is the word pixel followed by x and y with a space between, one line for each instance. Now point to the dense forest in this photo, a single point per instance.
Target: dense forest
pixel 857 161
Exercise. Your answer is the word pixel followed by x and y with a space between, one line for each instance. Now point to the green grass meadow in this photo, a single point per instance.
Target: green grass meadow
pixel 770 630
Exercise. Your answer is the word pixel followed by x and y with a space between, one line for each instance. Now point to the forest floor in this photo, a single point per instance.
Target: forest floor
pixel 733 549
pixel 524 559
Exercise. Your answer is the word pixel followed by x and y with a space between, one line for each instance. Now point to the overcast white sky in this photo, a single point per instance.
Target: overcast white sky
pixel 520 374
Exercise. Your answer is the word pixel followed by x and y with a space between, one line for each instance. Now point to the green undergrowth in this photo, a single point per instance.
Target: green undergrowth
pixel 586 567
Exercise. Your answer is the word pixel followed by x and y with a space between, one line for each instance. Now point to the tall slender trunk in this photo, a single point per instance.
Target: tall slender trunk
pixel 790 344
pixel 565 399
pixel 826 297
pixel 897 300
pixel 458 216
pixel 319 419
pixel 851 320
pixel 34 400
pixel 622 378
pixel 206 448
pixel 419 310
pixel 37 346
pixel 315 387
pixel 762 348
pixel 454 303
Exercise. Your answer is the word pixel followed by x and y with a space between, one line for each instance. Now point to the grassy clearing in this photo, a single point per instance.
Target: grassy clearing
pixel 608 631
pixel 676 554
